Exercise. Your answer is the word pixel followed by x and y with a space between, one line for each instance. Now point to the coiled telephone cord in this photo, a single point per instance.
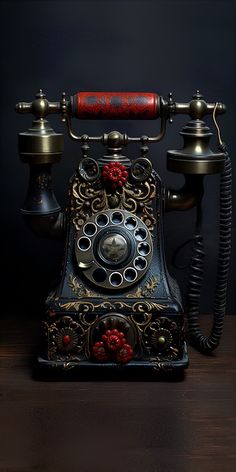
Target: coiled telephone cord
pixel 207 344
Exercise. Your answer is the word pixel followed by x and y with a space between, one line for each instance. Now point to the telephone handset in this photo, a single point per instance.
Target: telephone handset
pixel 116 307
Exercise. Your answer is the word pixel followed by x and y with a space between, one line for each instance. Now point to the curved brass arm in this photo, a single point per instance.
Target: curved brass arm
pixel 187 196
pixel 125 139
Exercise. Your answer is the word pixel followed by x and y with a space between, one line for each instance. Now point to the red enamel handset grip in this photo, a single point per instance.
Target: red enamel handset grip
pixel 115 105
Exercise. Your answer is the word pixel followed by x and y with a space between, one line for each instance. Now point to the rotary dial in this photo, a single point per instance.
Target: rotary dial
pixel 114 249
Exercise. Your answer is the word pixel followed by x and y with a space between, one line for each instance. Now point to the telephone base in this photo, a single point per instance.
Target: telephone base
pixel 87 370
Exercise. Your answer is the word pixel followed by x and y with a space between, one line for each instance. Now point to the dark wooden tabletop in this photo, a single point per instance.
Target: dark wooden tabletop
pixel 55 426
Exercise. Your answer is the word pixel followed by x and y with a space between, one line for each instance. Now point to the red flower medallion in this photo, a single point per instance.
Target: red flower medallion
pixel 113 347
pixel 113 339
pixel 115 174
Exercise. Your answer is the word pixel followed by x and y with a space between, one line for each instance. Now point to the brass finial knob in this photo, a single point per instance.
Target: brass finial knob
pixel 40 94
pixel 197 106
pixel 197 95
pixel 115 140
pixel 40 105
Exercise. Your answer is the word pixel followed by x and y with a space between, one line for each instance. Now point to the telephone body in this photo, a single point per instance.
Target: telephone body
pixel 116 307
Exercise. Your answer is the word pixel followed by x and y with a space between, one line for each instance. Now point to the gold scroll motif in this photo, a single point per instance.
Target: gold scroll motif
pixel 139 307
pixel 146 290
pixel 79 289
pixel 88 198
pixel 83 292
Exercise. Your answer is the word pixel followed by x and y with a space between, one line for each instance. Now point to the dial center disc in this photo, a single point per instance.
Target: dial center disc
pixel 114 247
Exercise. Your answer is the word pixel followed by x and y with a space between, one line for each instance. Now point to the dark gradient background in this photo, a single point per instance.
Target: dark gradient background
pixel 161 46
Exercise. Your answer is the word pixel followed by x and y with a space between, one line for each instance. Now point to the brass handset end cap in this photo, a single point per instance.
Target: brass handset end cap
pixel 196 156
pixel 178 161
pixel 40 144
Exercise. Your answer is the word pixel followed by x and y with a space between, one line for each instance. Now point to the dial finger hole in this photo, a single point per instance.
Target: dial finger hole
pixel 102 220
pixel 140 234
pixel 116 218
pixel 84 243
pixel 140 263
pixel 90 229
pixel 131 222
pixel 130 274
pixel 144 249
pixel 99 275
pixel 116 279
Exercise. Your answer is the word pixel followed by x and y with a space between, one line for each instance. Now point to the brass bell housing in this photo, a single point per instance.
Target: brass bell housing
pixel 196 157
pixel 39 144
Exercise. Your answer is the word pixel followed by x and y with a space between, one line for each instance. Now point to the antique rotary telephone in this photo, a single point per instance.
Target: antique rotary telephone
pixel 116 307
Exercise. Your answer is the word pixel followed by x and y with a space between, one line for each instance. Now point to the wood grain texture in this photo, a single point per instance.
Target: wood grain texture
pixel 187 426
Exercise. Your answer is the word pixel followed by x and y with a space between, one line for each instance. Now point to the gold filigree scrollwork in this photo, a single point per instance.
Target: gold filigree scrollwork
pixel 148 218
pixel 91 307
pixel 148 306
pixel 79 289
pixel 141 321
pixel 142 192
pixel 139 199
pixel 146 290
pixel 137 307
pixel 160 366
pixel 88 198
